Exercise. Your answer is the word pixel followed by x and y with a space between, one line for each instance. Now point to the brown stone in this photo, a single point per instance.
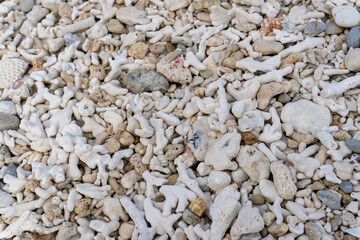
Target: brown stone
pixel 135 161
pixel 277 230
pixel 36 236
pixel 257 199
pixel 341 135
pixel 138 50
pixel 248 138
pixel 172 179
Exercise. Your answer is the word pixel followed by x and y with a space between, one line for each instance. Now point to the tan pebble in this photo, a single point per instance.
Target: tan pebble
pixel 114 184
pixel 36 236
pixel 115 26
pixel 89 178
pixel 97 71
pixel 126 139
pixel 266 92
pixel 203 16
pixel 29 197
pixel 198 206
pixel 37 64
pixel 267 47
pixel 170 47
pixel 135 161
pixel 172 179
pixel 112 145
pixel 53 213
pixel 248 138
pixel 291 143
pixel 268 217
pixel 230 62
pixel 138 50
pixel 158 48
pixel 31 185
pixel 174 151
pixel 65 10
pixel 100 138
pixel 302 137
pixel 315 186
pixel 341 135
pixel 205 4
pixel 277 230
pixel 291 60
pixel 140 148
pixel 126 229
pixel 257 199
pixel 283 180
pixel 214 41
pixel 82 206
pixel 69 79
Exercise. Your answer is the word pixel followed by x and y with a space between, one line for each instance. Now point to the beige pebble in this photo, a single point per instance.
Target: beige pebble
pixel 268 218
pixel 277 230
pixel 97 71
pixel 291 60
pixel 198 206
pixel 126 139
pixel 302 137
pixel 341 135
pixel 203 16
pixel 343 170
pixel 158 48
pixel 115 26
pixel 112 145
pixel 315 186
pixel 31 185
pixel 53 213
pixel 267 47
pixel 126 229
pixel 257 199
pixel 174 151
pixel 65 10
pixel 291 143
pixel 283 180
pixel 205 4
pixel 135 161
pixel 114 184
pixel 82 206
pixel 89 178
pixel 266 92
pixel 138 50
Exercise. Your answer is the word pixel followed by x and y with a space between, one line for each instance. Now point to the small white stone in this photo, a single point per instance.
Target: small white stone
pixel 346 16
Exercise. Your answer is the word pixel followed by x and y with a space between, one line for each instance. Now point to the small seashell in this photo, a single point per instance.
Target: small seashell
pixel 268 24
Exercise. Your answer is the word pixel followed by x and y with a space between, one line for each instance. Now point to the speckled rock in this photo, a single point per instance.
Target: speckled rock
pixel 8 121
pixel 346 16
pixel 82 206
pixel 205 4
pixel 353 144
pixel 332 28
pixel 135 161
pixel 174 151
pixel 11 69
pixel 190 217
pixel 65 10
pixel 330 199
pixel 138 50
pixel 66 231
pixel 145 81
pixel 267 47
pixel 283 181
pixel 158 48
pixel 353 39
pixel 26 5
pixel 314 28
pixel 97 71
pixel 313 231
pixel 347 186
pixel 174 70
pixel 112 145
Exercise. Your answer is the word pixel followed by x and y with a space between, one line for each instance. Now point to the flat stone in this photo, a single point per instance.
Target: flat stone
pixel 267 47
pixel 190 217
pixel 145 81
pixel 132 16
pixel 353 39
pixel 346 16
pixel 8 121
pixel 314 28
pixel 347 186
pixel 353 144
pixel 332 28
pixel 330 199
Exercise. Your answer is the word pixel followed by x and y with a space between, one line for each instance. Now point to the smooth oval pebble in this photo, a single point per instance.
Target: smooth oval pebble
pixel 352 60
pixel 330 199
pixel 145 81
pixel 313 231
pixel 332 28
pixel 8 121
pixel 347 186
pixel 353 145
pixel 353 39
pixel 190 217
pixel 314 28
pixel 11 169
pixel 346 16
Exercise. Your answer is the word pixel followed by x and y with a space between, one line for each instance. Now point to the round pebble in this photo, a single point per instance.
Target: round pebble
pixel 113 145
pixel 313 231
pixel 8 121
pixel 353 145
pixel 278 229
pixel 190 217
pixel 314 28
pixel 258 199
pixel 346 16
pixel 332 28
pixel 26 5
pixel 335 223
pixel 347 186
pixel 353 39
pixel 330 199
pixel 138 50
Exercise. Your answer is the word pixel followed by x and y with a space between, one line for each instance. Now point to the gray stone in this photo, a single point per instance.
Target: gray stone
pixel 353 40
pixel 352 60
pixel 4 153
pixel 332 28
pixel 289 27
pixel 190 217
pixel 314 28
pixel 335 223
pixel 353 145
pixel 8 121
pixel 26 5
pixel 66 231
pixel 313 231
pixel 11 169
pixel 145 81
pixel 330 199
pixel 71 38
pixel 347 186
